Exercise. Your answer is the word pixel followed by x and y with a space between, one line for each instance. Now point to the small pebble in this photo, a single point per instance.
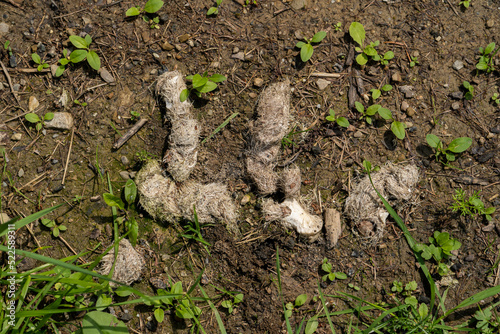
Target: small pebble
pixel 13 61
pixel 458 65
pixel 470 258
pixel 358 134
pixel 54 161
pixel 407 91
pixel 20 173
pixel 252 95
pixel 258 82
pixel 245 199
pixel 455 105
pixel 16 87
pixel 190 43
pixel 240 55
pixel 322 84
pixel 125 175
pixel 490 24
pixel 396 77
pixel 410 112
pixel 124 160
pixel 33 103
pixel 16 137
pixel 236 49
pixel 184 38
pixel 404 106
pixel 457 95
pixel 166 46
pixel 106 76
pixel 95 198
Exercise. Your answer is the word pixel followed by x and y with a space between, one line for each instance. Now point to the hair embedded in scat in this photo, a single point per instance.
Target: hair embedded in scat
pixel 129 264
pixel 182 153
pixel 166 200
pixel 365 209
pixel 271 125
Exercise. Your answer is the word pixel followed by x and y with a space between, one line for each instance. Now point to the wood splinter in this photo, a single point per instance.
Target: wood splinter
pixel 333 227
pixel 132 131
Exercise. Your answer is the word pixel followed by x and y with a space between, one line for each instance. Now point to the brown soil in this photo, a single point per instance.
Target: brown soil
pixel 437 33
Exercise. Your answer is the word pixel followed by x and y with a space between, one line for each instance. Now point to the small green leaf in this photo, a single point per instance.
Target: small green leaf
pixel 311 325
pixel 55 231
pixel 88 39
pixel 130 191
pixel 176 288
pixel 370 51
pixel 207 87
pixel 133 227
pixel 460 144
pixel 340 275
pixel 103 302
pixel 113 200
pixel 411 286
pixel 32 118
pixel 36 58
pixel 227 304
pixel 481 65
pixel 159 315
pixel 134 11
pixel 359 107
pixel 94 60
pixel 48 116
pixel 78 55
pixel 412 300
pixel 288 313
pixel 385 113
pixel 238 298
pixel 376 93
pixel 387 88
pixel 184 94
pixel 367 165
pixel 368 120
pixel 489 211
pixel 357 32
pixel 38 126
pixel 398 128
pixel 198 80
pixel 362 59
pixel 300 300
pixel 64 61
pixel 389 55
pixel 372 110
pixel 432 140
pixel 318 37
pixel 212 10
pixel 60 70
pixel 343 122
pixel 152 6
pixel 423 310
pixel 450 156
pixel 300 45
pixel 217 78
pixel 489 49
pixel 306 52
pixel 101 322
pixel 48 223
pixel 78 42
pixel 219 2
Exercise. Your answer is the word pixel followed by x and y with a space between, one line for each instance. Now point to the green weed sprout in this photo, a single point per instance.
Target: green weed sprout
pixel 201 84
pixel 54 226
pixel 439 248
pixel 357 33
pixel 63 61
pixel 77 102
pixel 465 3
pixel 230 304
pixel 496 99
pixel 376 93
pixel 469 94
pixel 306 48
pixel 414 61
pixel 471 206
pixel 299 301
pixel 192 231
pixel 327 267
pixel 82 52
pixel 37 60
pixel 152 6
pixel 34 119
pixel 485 62
pixel 338 26
pixel 341 121
pixel 214 10
pixel 7 47
pixel 456 146
pixel 486 322
pixel 398 128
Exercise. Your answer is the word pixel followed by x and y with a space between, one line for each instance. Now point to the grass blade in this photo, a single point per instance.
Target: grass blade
pixel 325 308
pixel 222 329
pixel 226 122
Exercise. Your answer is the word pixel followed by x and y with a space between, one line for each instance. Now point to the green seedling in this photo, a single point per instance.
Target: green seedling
pixel 486 322
pixel 287 140
pixel 250 2
pixel 327 267
pixel 201 84
pixel 456 146
pixel 151 7
pixel 230 304
pixel 128 206
pixel 192 231
pixel 469 94
pixel 220 127
pixel 338 26
pixel 357 33
pixel 143 156
pixel 7 47
pixel 63 61
pixel 83 104
pixel 341 121
pixel 290 307
pixel 54 226
pixel 83 51
pixel 37 60
pixel 134 115
pixel 182 303
pixel 486 60
pixel 496 99
pixel 214 10
pixel 465 3
pixel 34 119
pixel 414 61
pixel 376 93
pixel 398 128
pixel 306 48
pixel 354 287
pixel 367 167
pixel 439 248
pixel 472 206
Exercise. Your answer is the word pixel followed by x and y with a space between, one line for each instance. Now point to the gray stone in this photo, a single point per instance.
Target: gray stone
pixel 457 95
pixel 455 105
pixel 125 160
pixel 125 175
pixel 4 29
pixel 358 134
pixel 16 137
pixel 258 82
pixel 33 103
pixel 16 87
pixel 404 106
pixel 106 76
pixel 4 218
pixel 299 4
pixel 240 55
pixel 410 112
pixel 458 65
pixel 53 69
pixel 407 91
pixel 61 121
pixel 166 46
pixel 322 84
pixel 20 173
pixel 236 49
pixel 490 24
pixel 13 61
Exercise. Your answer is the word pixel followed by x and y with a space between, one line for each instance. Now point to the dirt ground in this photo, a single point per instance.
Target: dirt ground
pixel 253 46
